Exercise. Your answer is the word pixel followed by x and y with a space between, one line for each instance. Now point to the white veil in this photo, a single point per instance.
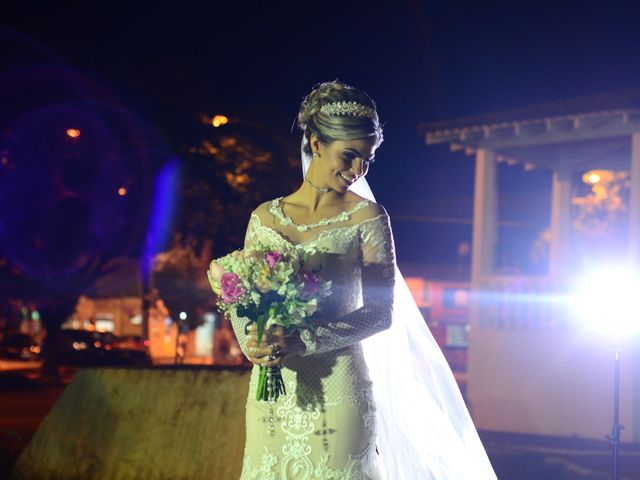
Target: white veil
pixel 424 428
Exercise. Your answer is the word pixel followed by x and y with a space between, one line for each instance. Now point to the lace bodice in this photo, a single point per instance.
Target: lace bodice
pixel 277 211
pixel 326 422
pixel 348 255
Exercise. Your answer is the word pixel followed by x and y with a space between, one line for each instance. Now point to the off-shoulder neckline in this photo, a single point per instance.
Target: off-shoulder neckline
pixel 277 209
pixel 320 235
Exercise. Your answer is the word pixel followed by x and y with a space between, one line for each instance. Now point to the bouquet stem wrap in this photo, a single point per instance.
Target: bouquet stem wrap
pixel 270 384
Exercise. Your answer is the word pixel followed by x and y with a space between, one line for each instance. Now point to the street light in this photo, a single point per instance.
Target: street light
pixel 610 294
pixel 219 120
pixel 606 301
pixel 73 132
pixel 594 177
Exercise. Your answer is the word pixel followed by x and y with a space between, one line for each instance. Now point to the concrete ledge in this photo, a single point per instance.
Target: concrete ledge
pixel 157 423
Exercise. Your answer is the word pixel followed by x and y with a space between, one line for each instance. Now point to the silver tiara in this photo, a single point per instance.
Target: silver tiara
pixel 349 108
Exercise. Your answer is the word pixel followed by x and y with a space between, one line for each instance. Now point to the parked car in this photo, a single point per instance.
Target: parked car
pixel 106 339
pixel 129 356
pixel 78 348
pixel 135 342
pixel 19 346
pixel 125 349
pixel 91 348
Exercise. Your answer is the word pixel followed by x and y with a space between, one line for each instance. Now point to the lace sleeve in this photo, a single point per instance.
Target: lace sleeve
pixel 378 270
pixel 239 324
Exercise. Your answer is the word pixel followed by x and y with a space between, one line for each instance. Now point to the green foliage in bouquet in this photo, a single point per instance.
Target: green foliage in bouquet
pixel 269 287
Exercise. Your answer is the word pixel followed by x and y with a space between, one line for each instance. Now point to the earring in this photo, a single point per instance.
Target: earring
pixel 316 154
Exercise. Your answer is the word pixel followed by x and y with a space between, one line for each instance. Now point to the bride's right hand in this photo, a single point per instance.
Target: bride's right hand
pixel 257 352
pixel 288 345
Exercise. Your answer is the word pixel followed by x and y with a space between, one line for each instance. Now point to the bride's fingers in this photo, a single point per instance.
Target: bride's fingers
pixel 267 341
pixel 272 363
pixel 271 360
pixel 264 358
pixel 258 352
pixel 275 330
pixel 252 336
pixel 263 353
pixel 274 334
pixel 252 340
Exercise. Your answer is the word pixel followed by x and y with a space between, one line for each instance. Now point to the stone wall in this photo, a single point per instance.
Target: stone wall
pixel 157 423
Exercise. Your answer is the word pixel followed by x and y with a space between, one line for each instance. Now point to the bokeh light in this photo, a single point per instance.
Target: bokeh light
pixel 219 120
pixel 594 178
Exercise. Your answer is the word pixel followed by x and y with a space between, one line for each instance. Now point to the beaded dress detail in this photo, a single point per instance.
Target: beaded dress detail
pixel 325 427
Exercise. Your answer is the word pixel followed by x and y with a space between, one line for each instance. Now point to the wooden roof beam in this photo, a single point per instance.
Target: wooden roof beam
pixel 497 132
pixel 543 134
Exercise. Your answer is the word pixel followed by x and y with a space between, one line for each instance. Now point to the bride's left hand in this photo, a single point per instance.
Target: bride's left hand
pixel 288 345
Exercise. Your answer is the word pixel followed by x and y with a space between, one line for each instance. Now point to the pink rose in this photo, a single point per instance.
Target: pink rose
pixel 272 258
pixel 311 284
pixel 232 291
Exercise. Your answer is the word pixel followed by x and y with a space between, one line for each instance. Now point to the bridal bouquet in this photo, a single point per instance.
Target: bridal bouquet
pixel 270 288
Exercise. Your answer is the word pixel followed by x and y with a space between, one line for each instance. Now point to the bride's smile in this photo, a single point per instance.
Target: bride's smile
pixel 340 164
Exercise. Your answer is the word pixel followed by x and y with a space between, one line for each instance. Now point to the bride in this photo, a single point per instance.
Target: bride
pixel 369 394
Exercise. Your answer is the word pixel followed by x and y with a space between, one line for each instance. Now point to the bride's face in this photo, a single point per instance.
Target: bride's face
pixel 342 162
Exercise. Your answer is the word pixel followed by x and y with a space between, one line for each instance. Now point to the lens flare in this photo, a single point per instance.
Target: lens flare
pixel 608 301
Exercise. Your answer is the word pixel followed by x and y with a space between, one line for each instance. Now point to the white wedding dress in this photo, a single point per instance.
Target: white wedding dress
pixel 324 428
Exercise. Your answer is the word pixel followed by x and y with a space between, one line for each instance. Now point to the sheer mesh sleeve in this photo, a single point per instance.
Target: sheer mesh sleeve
pixel 378 270
pixel 239 324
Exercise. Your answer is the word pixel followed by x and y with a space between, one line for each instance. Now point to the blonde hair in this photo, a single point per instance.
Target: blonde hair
pixel 329 128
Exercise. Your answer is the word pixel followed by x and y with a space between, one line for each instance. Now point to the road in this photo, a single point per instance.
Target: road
pixel 9 365
pixel 24 401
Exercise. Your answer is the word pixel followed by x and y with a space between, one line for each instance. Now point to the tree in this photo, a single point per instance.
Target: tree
pixel 74 183
pixel 177 277
pixel 227 172
pixel 599 219
pixel 600 215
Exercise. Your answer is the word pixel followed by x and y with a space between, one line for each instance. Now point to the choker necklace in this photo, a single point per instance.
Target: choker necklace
pixel 323 190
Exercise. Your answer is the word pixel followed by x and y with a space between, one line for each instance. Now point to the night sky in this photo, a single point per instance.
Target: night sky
pixel 420 61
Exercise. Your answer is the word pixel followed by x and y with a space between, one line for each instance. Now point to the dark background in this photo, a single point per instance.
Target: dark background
pixel 420 60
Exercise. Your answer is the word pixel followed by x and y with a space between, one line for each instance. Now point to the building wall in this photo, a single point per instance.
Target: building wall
pixel 123 316
pixel 120 315
pixel 546 378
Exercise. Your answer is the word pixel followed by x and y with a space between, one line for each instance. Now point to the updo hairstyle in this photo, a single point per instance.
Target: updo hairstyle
pixel 329 128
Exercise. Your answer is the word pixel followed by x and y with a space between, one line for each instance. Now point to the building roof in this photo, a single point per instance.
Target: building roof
pixel 607 115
